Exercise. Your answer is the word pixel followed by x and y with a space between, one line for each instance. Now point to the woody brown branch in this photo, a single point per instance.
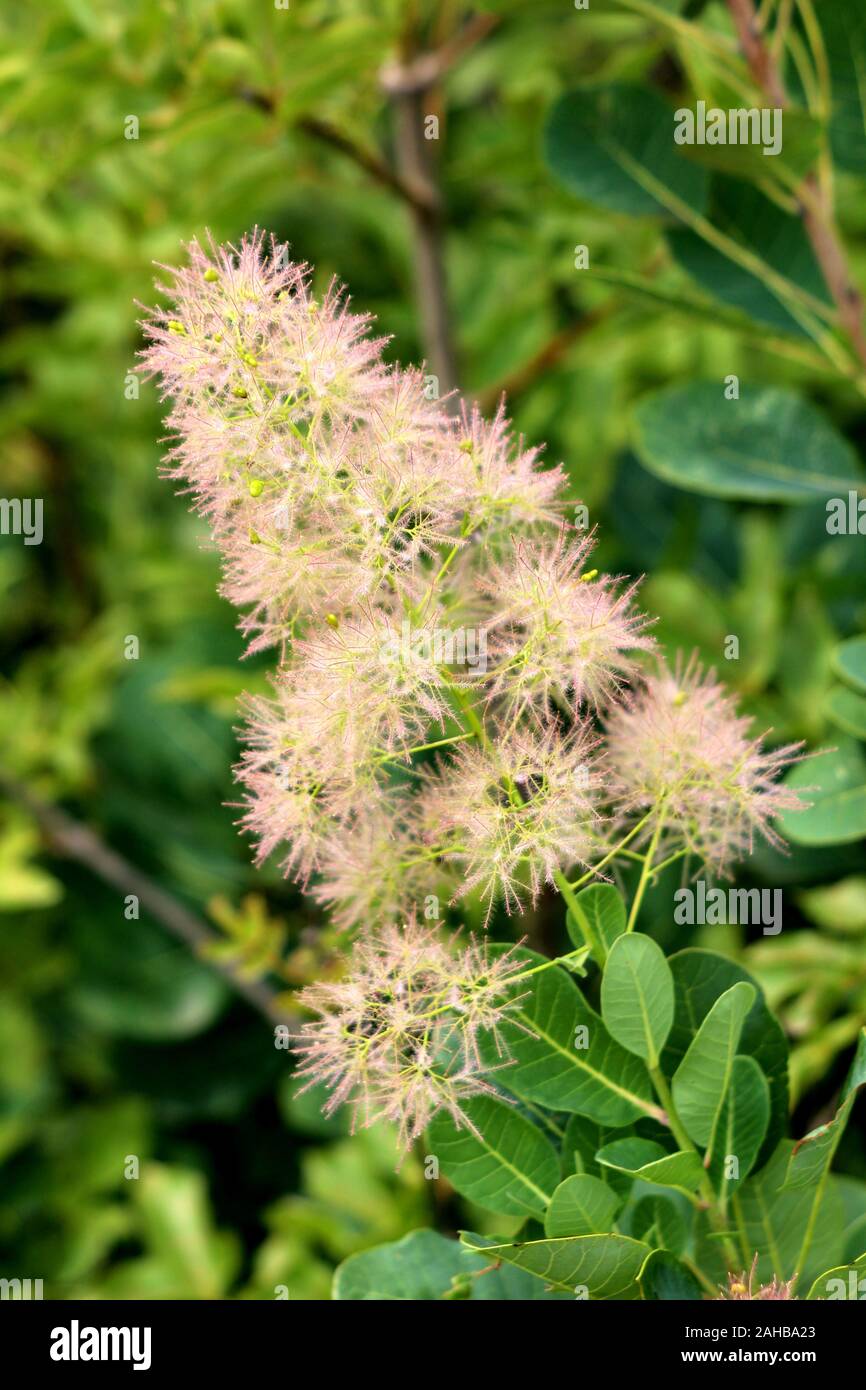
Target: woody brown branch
pixel 70 839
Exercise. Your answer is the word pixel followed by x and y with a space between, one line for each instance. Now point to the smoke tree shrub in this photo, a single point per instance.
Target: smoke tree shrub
pixel 464 707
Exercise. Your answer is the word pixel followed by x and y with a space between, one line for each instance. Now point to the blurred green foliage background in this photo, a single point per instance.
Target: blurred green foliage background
pixel 115 1042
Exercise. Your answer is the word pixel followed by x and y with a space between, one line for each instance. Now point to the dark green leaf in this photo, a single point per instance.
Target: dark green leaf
pixel 614 146
pixel 503 1162
pixel 768 446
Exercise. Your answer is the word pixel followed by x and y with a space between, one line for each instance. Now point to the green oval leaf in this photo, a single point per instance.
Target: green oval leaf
pixel 841 1282
pixel 562 1056
pixel 768 446
pixel 581 1206
pixel 601 910
pixel 614 146
pixel 506 1165
pixel 700 978
pixel 742 1127
pixel 701 1080
pixel 637 996
pixel 644 1159
pixel 607 1266
pixel 835 785
pixel 847 709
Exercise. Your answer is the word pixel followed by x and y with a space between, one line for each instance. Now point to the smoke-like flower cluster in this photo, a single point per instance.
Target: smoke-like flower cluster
pixel 398 1036
pixel 350 509
pixel 447 654
pixel 678 749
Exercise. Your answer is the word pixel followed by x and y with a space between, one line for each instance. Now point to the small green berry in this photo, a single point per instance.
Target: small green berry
pixel 257 487
pixel 211 275
pixel 332 620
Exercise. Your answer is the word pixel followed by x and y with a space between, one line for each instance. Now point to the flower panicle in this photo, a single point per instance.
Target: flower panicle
pixel 398 1036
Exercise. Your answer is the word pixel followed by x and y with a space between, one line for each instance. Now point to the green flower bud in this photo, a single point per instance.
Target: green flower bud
pixel 211 275
pixel 175 326
pixel 257 487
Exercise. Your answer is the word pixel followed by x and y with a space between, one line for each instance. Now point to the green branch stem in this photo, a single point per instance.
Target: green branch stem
pixel 647 870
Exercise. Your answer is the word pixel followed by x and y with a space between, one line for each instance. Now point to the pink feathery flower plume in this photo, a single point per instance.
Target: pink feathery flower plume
pixel 446 652
pixel 678 750
pixel 397 1037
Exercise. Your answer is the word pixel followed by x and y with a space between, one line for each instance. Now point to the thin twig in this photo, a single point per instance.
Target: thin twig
pixel 417 196
pixel 69 838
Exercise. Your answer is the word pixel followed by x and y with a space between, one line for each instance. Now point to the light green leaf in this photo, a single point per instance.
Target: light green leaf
pixel 602 908
pixel 614 146
pixel 544 1035
pixel 423 1266
pixel 607 1266
pixel 506 1165
pixel 768 446
pixel 847 709
pixel 841 1282
pixel 581 1206
pixel 702 1078
pixel 637 996
pixel 644 1159
pixel 834 784
pixel 742 1126
pixel 700 978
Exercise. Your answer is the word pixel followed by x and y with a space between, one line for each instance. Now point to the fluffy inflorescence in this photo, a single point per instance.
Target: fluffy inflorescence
pixel 398 1036
pixel 678 750
pixel 417 577
pixel 447 654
